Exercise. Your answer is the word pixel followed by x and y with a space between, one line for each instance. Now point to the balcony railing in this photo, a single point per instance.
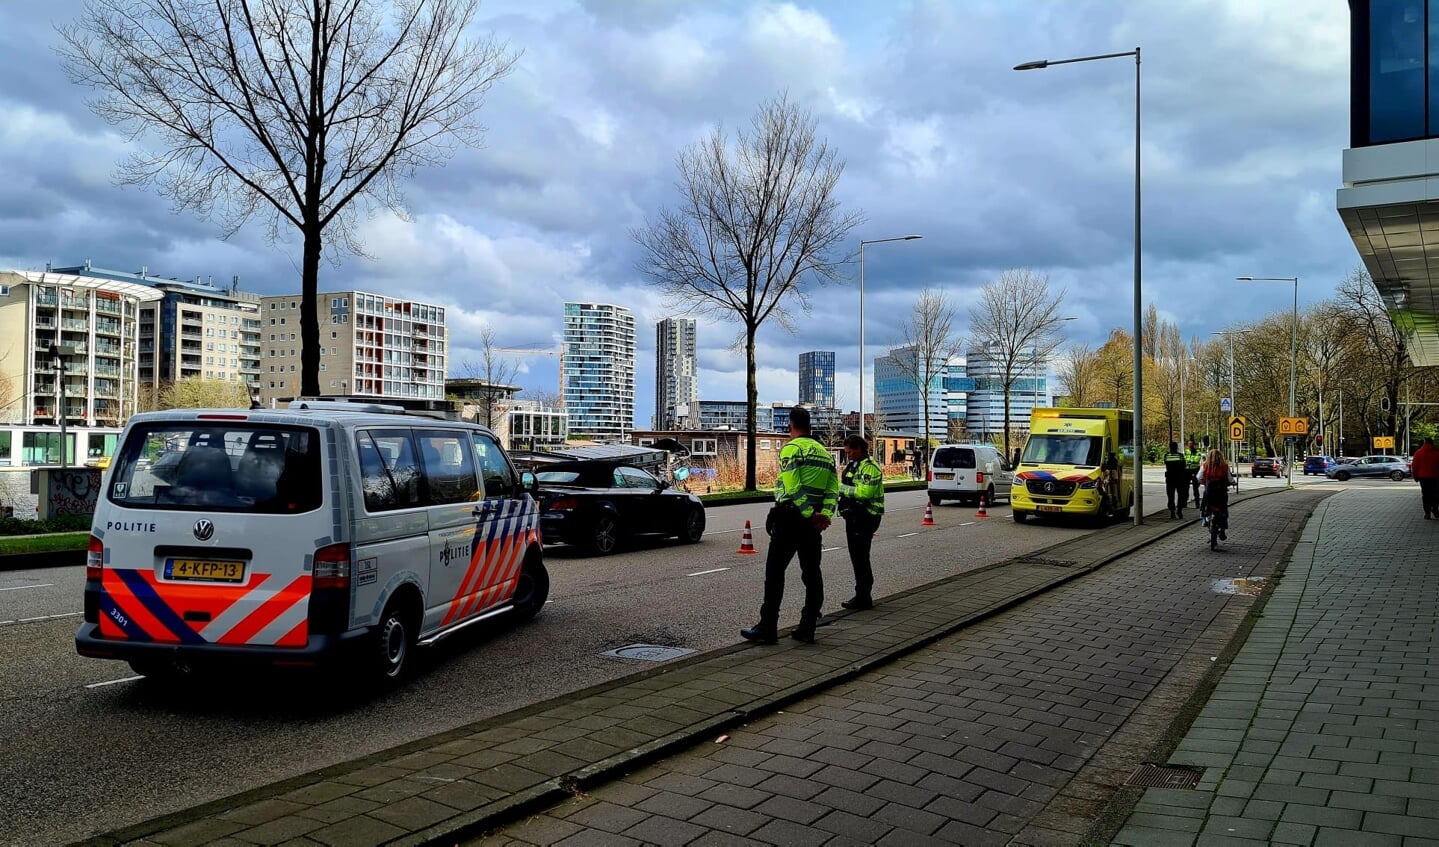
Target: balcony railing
pixel 74 325
pixel 106 370
pixel 107 327
pixel 46 300
pixel 107 306
pixel 75 303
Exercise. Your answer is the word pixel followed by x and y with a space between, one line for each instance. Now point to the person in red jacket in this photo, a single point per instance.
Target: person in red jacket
pixel 1425 468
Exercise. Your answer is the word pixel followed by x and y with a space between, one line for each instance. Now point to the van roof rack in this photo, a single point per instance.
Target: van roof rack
pixel 305 404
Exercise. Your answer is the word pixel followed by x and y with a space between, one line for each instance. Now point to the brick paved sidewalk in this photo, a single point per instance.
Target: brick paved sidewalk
pixel 1019 710
pixel 1325 729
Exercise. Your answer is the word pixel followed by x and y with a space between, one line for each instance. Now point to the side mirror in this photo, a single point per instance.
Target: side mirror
pixel 663 485
pixel 529 483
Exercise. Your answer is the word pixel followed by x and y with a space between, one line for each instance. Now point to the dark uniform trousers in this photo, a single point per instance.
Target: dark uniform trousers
pixel 859 529
pixel 1176 482
pixel 792 533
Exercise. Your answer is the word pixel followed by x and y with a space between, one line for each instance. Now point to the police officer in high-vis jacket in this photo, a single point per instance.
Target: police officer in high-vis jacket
pixel 805 495
pixel 1193 457
pixel 861 503
pixel 1176 480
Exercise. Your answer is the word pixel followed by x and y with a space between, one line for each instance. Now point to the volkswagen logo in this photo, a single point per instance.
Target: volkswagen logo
pixel 204 529
pixel 1048 489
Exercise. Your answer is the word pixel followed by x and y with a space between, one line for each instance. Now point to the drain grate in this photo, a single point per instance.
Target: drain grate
pixel 1034 560
pixel 648 652
pixel 1165 776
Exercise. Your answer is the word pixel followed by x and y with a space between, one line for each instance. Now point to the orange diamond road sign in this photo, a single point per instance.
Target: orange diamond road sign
pixel 1293 426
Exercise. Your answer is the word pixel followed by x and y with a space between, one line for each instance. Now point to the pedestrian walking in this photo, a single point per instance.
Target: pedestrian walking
pixel 1425 467
pixel 805 496
pixel 861 504
pixel 1176 480
pixel 1193 458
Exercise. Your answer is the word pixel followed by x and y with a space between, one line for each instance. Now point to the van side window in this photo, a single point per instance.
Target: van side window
pixel 448 467
pixel 500 479
pixel 389 472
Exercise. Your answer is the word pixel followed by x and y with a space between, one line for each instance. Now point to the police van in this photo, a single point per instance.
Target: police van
pixel 326 533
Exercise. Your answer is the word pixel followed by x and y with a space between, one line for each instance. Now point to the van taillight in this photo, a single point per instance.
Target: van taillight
pixel 979 477
pixel 332 567
pixel 929 476
pixel 94 558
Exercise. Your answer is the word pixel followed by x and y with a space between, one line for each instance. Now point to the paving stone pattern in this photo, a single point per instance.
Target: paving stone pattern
pixel 1325 728
pixel 965 742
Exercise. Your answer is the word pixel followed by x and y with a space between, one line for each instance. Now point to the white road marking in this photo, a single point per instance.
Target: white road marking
pixel 41 618
pixel 906 535
pixel 971 523
pixel 828 549
pixel 702 573
pixel 113 682
pixel 23 587
pixel 723 531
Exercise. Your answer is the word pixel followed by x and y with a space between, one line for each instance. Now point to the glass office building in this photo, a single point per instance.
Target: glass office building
pixel 1387 202
pixel 816 378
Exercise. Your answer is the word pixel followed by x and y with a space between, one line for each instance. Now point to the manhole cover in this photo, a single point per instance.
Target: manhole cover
pixel 648 652
pixel 1165 776
pixel 1250 586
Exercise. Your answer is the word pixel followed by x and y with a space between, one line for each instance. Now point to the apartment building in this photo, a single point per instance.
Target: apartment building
pixel 676 388
pixel 597 370
pixel 198 331
pixel 371 345
pixel 79 331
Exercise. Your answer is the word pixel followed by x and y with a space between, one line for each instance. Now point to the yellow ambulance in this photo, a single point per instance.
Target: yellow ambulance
pixel 1076 462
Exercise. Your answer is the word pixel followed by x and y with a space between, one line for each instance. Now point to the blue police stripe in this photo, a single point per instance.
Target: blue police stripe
pixel 163 613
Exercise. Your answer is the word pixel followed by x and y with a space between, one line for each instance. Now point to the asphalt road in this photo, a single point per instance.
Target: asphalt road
pixel 86 747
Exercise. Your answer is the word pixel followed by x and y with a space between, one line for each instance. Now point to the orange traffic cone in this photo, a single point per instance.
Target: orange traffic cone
pixel 746 541
pixel 981 513
pixel 928 515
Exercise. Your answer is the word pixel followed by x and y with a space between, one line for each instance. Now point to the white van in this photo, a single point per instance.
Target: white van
pixel 964 471
pixel 325 533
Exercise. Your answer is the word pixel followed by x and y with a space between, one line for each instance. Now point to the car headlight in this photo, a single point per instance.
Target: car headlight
pixel 1089 483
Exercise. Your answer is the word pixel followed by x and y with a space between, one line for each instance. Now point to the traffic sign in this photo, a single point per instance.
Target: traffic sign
pixel 1293 426
pixel 1383 442
pixel 1226 405
pixel 1236 428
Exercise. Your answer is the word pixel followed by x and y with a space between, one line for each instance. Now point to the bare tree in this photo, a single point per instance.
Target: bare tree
pixel 303 113
pixel 199 393
pixel 1016 321
pixel 1386 343
pixel 546 397
pixel 494 372
pixel 1079 372
pixel 757 220
pixel 927 343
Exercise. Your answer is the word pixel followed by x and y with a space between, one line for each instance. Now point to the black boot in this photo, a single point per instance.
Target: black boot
pixel 760 633
pixel 858 603
pixel 804 632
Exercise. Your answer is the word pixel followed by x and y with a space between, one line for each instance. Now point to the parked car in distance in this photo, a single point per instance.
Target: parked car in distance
pixel 1370 466
pixel 1265 466
pixel 600 504
pixel 1318 464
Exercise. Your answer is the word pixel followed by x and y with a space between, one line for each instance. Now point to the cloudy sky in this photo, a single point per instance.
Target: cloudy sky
pixel 1245 117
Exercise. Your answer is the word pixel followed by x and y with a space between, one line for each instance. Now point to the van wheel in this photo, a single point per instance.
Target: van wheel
pixel 1020 516
pixel 694 527
pixel 391 644
pixel 935 499
pixel 532 589
pixel 988 497
pixel 604 535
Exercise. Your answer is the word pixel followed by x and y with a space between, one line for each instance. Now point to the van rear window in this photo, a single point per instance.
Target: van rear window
pixel 954 457
pixel 219 467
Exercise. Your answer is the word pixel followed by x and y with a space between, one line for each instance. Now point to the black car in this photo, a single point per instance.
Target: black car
pixel 1267 467
pixel 599 504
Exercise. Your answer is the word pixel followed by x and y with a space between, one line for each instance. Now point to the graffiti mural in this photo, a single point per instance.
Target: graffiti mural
pixel 73 491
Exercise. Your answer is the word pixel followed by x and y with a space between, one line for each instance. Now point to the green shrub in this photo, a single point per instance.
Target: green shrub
pixel 64 523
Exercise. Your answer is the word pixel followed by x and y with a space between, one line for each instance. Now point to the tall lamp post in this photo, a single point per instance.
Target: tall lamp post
pixel 1036 365
pixel 60 352
pixel 1138 325
pixel 861 317
pixel 1293 359
pixel 1233 400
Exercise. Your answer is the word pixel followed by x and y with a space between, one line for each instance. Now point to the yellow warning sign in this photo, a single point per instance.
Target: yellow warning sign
pixel 1293 426
pixel 1383 442
pixel 1236 428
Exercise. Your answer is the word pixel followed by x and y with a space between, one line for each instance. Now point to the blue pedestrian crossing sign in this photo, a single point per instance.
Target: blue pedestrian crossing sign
pixel 1226 405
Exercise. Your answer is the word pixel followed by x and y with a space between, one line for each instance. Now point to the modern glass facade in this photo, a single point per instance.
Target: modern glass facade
pixel 1030 388
pixel 597 370
pixel 1395 67
pixel 816 378
pixel 898 400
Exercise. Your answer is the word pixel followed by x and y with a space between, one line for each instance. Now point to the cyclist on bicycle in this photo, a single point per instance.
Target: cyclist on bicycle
pixel 1214 473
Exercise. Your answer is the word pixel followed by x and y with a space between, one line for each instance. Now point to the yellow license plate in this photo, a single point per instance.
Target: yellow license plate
pixel 1051 508
pixel 205 570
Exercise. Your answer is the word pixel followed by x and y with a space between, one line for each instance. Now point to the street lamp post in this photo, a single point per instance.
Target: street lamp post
pixel 1138 325
pixel 59 352
pixel 1293 359
pixel 861 317
pixel 1233 400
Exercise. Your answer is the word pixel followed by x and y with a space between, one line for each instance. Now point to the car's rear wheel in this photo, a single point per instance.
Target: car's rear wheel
pixel 1342 476
pixel 604 535
pixel 532 589
pixel 935 500
pixel 1397 476
pixel 694 526
pixel 393 641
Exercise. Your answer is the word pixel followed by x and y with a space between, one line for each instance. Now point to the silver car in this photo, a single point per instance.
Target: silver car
pixel 1390 466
